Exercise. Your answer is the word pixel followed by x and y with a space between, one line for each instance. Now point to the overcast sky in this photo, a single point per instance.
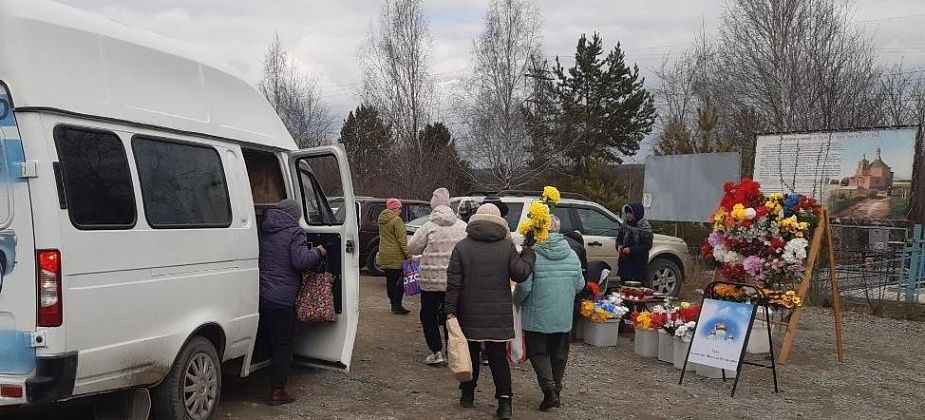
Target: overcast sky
pixel 325 36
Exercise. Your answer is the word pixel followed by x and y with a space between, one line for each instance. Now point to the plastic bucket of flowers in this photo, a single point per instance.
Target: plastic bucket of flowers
pixel 580 328
pixel 665 346
pixel 602 320
pixel 646 325
pixel 602 333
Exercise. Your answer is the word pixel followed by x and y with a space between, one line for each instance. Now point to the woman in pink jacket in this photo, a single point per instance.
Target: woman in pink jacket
pixel 434 241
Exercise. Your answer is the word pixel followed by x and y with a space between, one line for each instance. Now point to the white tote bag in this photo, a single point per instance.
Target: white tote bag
pixel 458 352
pixel 517 348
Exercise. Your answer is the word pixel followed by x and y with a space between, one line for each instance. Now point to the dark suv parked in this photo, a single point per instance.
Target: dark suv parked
pixel 368 210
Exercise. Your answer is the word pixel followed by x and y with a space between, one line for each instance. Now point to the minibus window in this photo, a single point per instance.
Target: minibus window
pixel 317 210
pixel 94 172
pixel 182 185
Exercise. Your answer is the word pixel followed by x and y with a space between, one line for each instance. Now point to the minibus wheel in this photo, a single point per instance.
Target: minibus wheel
pixel 192 389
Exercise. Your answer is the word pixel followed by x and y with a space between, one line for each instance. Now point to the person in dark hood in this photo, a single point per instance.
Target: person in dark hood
pixel 633 244
pixel 466 209
pixel 478 294
pixel 284 255
pixel 577 243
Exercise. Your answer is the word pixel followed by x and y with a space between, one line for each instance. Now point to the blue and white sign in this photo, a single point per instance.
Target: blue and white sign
pixel 720 335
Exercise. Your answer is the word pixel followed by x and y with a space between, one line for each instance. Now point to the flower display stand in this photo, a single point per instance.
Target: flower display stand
pixel 680 353
pixel 665 346
pixel 646 342
pixel 758 342
pixel 602 334
pixel 712 372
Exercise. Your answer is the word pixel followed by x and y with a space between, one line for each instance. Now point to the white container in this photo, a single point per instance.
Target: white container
pixel 580 328
pixel 680 353
pixel 713 373
pixel 646 342
pixel 602 334
pixel 758 342
pixel 665 346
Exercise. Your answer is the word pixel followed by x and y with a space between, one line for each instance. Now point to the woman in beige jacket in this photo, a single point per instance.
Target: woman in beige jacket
pixel 434 241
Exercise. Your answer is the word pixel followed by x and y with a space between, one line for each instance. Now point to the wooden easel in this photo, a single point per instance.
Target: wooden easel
pixel 823 230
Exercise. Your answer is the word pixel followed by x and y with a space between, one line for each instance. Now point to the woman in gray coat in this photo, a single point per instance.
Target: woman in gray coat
pixel 478 293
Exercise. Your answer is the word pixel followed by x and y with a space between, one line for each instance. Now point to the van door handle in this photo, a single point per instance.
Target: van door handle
pixel 350 247
pixel 595 243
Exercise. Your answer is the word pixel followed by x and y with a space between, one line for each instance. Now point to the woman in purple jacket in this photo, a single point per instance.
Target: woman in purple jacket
pixel 284 255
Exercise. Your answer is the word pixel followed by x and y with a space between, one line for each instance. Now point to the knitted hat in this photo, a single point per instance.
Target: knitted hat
pixel 441 197
pixel 489 209
pixel 393 204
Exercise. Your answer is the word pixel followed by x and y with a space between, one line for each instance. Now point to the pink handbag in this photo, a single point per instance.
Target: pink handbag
pixel 316 298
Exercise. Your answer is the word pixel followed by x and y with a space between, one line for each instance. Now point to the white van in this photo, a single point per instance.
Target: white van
pixel 134 179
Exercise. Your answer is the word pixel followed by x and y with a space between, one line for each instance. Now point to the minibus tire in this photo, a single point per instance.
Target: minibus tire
pixel 168 401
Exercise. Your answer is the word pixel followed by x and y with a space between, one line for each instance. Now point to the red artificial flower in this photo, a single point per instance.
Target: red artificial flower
pixel 691 313
pixel 658 320
pixel 594 288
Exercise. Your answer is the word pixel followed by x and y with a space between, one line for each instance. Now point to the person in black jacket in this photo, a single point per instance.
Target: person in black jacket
pixel 633 244
pixel 577 243
pixel 478 294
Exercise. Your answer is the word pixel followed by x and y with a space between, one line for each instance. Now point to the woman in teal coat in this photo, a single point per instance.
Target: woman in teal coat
pixel 547 304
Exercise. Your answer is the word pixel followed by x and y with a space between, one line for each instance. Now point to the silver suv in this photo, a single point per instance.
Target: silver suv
pixel 669 258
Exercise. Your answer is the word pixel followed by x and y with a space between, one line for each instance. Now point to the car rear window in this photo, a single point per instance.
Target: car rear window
pixel 513 215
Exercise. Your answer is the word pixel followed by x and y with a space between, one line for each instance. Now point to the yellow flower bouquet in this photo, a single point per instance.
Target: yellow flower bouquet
pixel 535 228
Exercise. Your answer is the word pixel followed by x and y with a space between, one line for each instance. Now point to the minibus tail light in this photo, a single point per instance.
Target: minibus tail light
pixel 50 312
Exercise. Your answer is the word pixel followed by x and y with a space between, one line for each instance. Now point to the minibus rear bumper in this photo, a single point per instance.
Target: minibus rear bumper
pixel 52 380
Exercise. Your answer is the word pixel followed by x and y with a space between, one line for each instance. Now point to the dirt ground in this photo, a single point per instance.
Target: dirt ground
pixel 882 379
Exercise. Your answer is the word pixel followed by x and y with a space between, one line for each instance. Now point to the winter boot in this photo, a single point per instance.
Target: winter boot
pixel 550 399
pixel 279 396
pixel 467 399
pixel 505 408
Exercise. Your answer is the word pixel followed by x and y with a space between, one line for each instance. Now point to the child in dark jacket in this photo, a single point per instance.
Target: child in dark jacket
pixel 284 255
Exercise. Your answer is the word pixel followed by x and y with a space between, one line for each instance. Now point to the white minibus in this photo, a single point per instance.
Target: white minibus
pixel 134 177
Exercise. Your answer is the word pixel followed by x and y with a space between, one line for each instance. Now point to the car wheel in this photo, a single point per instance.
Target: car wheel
pixel 192 389
pixel 665 276
pixel 372 263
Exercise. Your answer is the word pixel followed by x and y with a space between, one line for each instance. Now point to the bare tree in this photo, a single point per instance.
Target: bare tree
pixel 784 65
pixel 798 63
pixel 396 81
pixel 295 97
pixel 493 99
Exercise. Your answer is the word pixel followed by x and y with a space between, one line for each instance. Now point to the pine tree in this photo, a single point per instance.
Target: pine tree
pixel 369 145
pixel 606 111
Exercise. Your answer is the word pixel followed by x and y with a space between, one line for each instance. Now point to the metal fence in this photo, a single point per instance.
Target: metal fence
pixel 876 264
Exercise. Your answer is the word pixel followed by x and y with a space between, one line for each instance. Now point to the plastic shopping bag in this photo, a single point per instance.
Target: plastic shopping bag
pixel 517 348
pixel 410 279
pixel 457 350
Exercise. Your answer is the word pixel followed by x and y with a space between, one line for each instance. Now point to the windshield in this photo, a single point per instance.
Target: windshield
pixel 419 221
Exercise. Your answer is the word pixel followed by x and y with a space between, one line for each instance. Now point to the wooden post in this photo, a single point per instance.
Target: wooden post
pixel 836 295
pixel 823 231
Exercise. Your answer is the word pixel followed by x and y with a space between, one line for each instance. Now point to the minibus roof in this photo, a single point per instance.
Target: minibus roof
pixel 63 59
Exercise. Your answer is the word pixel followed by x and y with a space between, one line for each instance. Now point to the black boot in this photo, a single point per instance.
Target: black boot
pixel 505 408
pixel 467 399
pixel 550 400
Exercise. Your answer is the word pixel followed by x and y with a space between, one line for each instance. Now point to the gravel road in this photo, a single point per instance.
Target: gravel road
pixel 883 378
